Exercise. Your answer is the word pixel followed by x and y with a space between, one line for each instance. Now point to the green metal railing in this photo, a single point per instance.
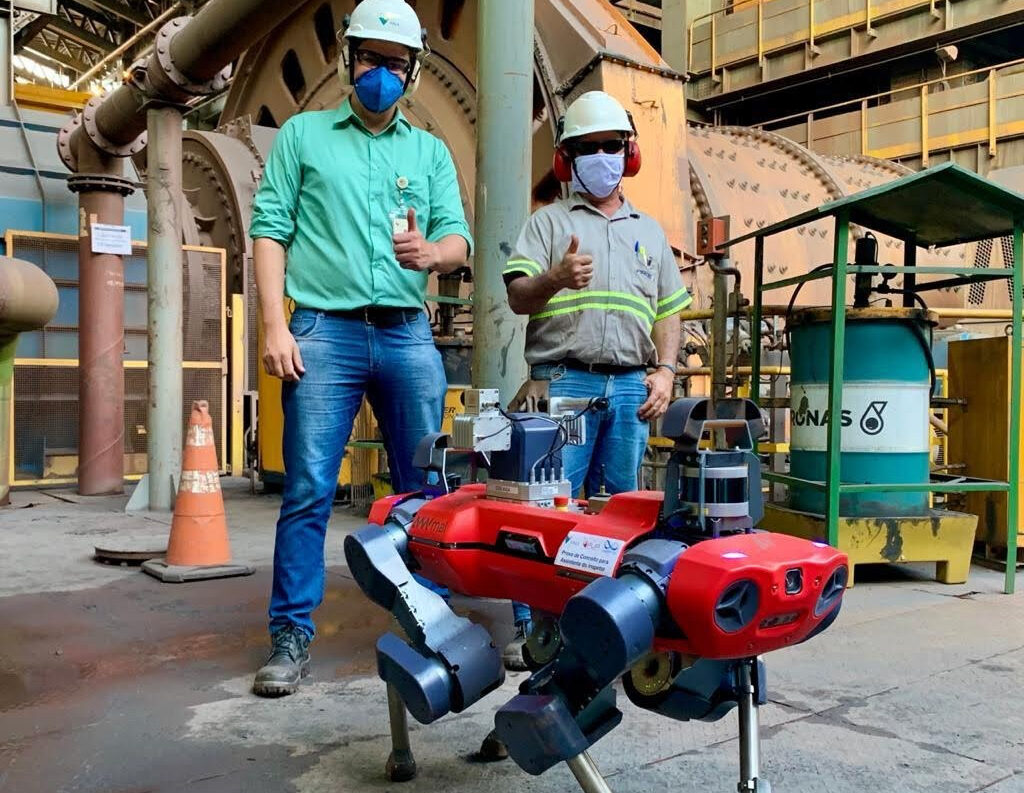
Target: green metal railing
pixel 941 206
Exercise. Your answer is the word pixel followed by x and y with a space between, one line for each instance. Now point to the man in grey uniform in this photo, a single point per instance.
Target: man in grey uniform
pixel 602 289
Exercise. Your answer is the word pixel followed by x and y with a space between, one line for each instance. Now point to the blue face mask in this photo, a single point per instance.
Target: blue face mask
pixel 597 174
pixel 378 89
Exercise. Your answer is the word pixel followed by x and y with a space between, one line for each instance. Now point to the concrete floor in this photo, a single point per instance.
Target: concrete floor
pixel 113 682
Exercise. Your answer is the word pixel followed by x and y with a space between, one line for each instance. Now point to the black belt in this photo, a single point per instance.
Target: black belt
pixel 384 316
pixel 596 368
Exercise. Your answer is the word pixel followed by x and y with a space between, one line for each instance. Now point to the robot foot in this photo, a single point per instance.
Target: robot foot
pixel 492 750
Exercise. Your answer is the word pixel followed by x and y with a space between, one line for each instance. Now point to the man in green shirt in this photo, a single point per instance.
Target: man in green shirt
pixel 362 207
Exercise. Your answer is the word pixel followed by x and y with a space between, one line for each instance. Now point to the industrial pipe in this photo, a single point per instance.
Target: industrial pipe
pixel 722 268
pixel 694 371
pixel 191 57
pixel 709 313
pixel 101 192
pixel 165 305
pixel 972 313
pixel 28 300
pixel 504 167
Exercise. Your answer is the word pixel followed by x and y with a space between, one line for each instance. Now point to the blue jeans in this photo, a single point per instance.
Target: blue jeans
pixel 399 370
pixel 616 438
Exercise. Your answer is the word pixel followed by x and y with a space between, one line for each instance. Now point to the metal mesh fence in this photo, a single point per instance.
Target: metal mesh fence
pixel 1006 245
pixel 46 418
pixel 366 462
pixel 982 257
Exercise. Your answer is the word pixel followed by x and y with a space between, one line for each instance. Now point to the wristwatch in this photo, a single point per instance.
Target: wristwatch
pixel 668 366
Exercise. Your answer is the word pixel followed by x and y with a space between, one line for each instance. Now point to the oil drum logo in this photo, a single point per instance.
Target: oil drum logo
pixel 805 405
pixel 872 422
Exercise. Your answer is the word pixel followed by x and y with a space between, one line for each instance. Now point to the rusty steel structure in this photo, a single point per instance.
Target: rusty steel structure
pixel 287 64
pixel 690 172
pixel 191 57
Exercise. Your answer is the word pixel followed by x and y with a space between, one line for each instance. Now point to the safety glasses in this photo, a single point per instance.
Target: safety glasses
pixel 375 59
pixel 585 147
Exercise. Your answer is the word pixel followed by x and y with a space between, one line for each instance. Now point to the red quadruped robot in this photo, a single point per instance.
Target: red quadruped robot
pixel 675 593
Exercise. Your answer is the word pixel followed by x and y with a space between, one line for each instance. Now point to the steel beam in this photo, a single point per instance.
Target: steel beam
pixel 674 46
pixel 504 167
pixel 69 30
pixel 120 10
pixel 29 32
pixel 639 13
pixel 139 37
pixel 40 47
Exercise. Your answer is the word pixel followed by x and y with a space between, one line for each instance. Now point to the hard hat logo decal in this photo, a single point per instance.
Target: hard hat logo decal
pixel 872 423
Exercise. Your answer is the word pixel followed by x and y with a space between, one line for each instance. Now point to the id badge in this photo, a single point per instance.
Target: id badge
pixel 399 220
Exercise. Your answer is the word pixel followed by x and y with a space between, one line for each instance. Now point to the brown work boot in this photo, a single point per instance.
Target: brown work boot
pixel 287 665
pixel 512 657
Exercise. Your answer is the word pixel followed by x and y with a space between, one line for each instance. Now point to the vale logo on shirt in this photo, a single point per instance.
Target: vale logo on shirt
pixel 646 262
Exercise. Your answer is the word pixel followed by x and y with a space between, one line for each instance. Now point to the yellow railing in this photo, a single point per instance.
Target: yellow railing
pixel 878 110
pixel 756 14
pixel 59 467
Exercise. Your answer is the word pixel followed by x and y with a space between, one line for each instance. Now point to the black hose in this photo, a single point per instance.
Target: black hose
pixel 926 346
pixel 796 293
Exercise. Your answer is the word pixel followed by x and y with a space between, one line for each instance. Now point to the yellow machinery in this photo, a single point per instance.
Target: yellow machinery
pixel 979 428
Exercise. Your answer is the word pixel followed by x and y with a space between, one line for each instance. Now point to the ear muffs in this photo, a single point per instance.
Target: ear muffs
pixel 632 158
pixel 562 165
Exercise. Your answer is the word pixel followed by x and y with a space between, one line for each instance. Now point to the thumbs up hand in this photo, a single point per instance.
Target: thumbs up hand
pixel 412 250
pixel 575 270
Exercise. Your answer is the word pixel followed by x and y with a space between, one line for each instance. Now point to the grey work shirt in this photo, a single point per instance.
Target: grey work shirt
pixel 636 282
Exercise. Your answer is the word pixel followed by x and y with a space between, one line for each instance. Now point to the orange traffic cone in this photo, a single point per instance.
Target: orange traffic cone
pixel 198 547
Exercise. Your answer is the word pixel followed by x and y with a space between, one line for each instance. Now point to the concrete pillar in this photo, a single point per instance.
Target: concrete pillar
pixel 503 168
pixel 101 189
pixel 674 26
pixel 165 305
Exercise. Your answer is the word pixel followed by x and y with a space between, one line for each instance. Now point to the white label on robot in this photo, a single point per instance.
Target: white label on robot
pixel 876 417
pixel 589 553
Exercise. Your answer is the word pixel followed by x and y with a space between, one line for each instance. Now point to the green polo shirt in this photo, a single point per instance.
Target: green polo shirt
pixel 329 193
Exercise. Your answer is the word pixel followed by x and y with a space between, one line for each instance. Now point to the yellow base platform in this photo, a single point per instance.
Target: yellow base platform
pixel 946 538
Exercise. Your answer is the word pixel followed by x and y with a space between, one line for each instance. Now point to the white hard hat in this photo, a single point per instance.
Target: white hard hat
pixel 385 20
pixel 594 111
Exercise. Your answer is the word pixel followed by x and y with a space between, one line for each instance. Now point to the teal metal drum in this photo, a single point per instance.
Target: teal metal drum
pixel 887 380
